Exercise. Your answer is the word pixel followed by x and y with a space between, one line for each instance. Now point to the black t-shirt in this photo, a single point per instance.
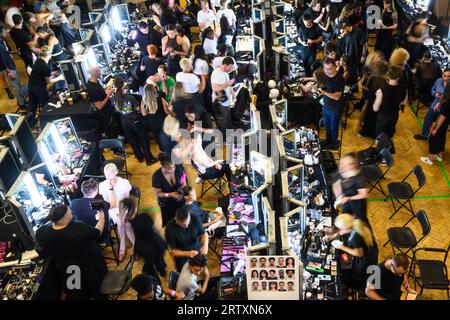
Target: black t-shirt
pixel 353 45
pixel 390 284
pixel 97 93
pixel 351 185
pixel 360 264
pixel 126 105
pixel 392 97
pixel 332 85
pixel 21 37
pixel 41 70
pixel 74 243
pixel 185 239
pixel 143 40
pixel 151 66
pixel 82 211
pixel 159 182
pixel 306 34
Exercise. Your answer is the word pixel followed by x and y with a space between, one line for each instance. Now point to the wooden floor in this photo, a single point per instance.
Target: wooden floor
pixel 434 197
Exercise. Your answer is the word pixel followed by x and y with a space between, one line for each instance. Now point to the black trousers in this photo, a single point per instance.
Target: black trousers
pixel 386 123
pixel 211 290
pixel 136 135
pixel 308 57
pixel 37 98
pixel 223 118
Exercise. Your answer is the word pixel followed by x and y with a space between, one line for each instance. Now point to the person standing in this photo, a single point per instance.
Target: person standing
pixel 439 131
pixel 223 94
pixel 132 124
pixel 205 18
pixel 9 73
pixel 164 82
pixel 388 102
pixel 69 243
pixel 23 41
pixel 310 38
pixel 388 25
pixel 333 103
pixel 150 63
pixel 433 112
pixel 172 48
pixel 354 44
pixel 37 85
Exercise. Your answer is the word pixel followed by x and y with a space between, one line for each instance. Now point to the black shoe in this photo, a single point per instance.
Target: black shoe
pixel 10 94
pixel 418 136
pixel 140 160
pixel 151 162
pixel 325 144
pixel 121 154
pixel 334 146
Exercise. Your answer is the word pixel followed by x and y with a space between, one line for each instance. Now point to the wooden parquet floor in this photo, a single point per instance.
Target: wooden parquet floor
pixel 408 153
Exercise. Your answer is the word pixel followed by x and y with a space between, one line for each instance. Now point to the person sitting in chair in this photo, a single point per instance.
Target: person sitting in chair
pixel 208 218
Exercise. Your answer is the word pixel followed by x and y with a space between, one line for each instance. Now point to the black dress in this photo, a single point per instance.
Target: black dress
pixel 154 122
pixel 389 111
pixel 437 142
pixel 168 205
pixel 385 39
pixel 369 120
pixel 350 188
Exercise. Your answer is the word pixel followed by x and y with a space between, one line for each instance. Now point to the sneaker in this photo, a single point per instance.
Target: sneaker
pixel 426 160
pixel 359 135
pixel 383 163
pixel 198 180
pixel 437 158
pixel 418 136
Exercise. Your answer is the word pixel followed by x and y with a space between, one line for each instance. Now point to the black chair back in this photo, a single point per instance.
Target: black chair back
pixel 384 141
pixel 135 192
pixel 424 222
pixel 173 279
pixel 386 155
pixel 421 179
pixel 110 144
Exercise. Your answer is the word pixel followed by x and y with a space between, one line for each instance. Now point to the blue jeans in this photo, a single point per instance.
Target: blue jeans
pixel 331 124
pixel 430 117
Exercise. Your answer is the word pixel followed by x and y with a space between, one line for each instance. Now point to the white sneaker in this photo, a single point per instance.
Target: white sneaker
pixel 438 158
pixel 426 160
pixel 198 180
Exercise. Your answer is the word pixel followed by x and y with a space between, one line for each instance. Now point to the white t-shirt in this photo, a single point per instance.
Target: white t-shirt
pixel 9 14
pixel 206 18
pixel 122 190
pixel 190 81
pixel 217 62
pixel 230 16
pixel 210 46
pixel 220 77
pixel 201 66
pixel 187 282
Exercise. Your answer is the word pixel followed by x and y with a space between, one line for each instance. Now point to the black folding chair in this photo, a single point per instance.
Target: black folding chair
pixel 370 155
pixel 399 191
pixel 210 183
pixel 117 282
pixel 109 243
pixel 173 279
pixel 119 161
pixel 374 174
pixel 433 273
pixel 404 238
pixel 136 192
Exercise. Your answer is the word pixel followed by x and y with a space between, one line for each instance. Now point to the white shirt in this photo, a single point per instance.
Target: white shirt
pixel 187 282
pixel 230 16
pixel 9 14
pixel 122 190
pixel 201 66
pixel 206 18
pixel 190 81
pixel 200 157
pixel 220 77
pixel 215 3
pixel 217 62
pixel 210 46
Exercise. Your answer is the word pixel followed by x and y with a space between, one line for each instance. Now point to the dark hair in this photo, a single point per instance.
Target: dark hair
pixel 254 272
pixel 17 19
pixel 394 72
pixel 142 284
pixel 180 30
pixel 401 260
pixel 164 159
pixel 183 213
pixel 199 53
pixel 346 59
pixel 264 272
pixel 330 47
pixel 329 61
pixel 225 28
pixel 143 227
pixel 189 108
pixel 170 27
pixel 290 282
pixel 306 17
pixel 228 61
pixel 143 25
pixel 427 54
pixel 129 206
pixel 119 83
pixel 344 22
pixel 199 260
pixel 163 66
pixel 221 49
pixel 58 212
pixel 89 186
pixel 271 258
pixel 41 29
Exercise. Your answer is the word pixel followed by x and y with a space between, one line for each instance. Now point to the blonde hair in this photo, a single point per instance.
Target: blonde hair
pixel 111 168
pixel 399 57
pixel 346 221
pixel 171 127
pixel 156 7
pixel 345 13
pixel 150 99
pixel 178 92
pixel 185 63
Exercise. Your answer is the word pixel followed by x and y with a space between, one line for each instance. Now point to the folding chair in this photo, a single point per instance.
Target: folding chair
pixel 373 173
pixel 119 161
pixel 173 279
pixel 136 192
pixel 215 237
pixel 403 191
pixel 117 282
pixel 215 182
pixel 366 156
pixel 109 243
pixel 404 238
pixel 433 273
pixel 349 98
